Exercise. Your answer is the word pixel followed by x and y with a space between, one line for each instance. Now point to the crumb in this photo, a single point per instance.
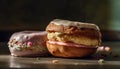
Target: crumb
pixel 104 49
pixel 37 58
pixel 107 49
pixel 100 48
pixel 101 61
pixel 76 63
pixel 55 61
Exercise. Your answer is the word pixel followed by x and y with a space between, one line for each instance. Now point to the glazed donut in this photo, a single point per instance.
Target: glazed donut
pixel 72 39
pixel 28 43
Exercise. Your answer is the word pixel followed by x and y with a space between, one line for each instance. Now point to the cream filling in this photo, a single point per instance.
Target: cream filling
pixel 57 36
pixel 70 44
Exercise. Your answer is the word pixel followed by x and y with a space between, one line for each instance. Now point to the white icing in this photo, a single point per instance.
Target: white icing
pixel 75 23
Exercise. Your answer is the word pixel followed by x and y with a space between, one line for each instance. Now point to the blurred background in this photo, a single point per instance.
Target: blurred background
pixel 19 15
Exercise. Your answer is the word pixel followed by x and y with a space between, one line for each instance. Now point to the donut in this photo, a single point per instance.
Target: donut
pixel 28 43
pixel 72 39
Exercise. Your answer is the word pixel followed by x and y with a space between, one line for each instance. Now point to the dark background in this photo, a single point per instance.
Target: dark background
pixel 19 15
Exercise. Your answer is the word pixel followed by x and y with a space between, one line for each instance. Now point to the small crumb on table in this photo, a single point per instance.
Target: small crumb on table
pixel 55 61
pixel 76 63
pixel 101 61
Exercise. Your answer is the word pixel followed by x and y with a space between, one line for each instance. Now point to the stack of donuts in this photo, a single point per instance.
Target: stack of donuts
pixel 62 38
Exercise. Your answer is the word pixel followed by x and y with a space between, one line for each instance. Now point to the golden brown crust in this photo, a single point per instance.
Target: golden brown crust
pixel 87 32
pixel 70 52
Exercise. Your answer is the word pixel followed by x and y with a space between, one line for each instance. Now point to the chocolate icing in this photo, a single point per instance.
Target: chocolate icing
pixel 24 36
